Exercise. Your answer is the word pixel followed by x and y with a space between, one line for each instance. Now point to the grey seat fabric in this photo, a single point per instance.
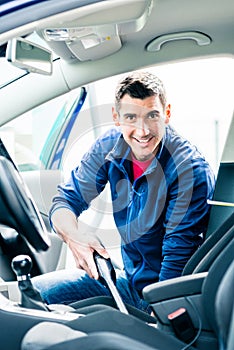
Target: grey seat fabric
pixel 224 309
pixel 65 339
pixel 224 191
pixel 211 248
pixel 47 333
pixel 203 258
pixel 221 219
pixel 230 341
pixel 217 300
pixel 90 303
pixel 212 287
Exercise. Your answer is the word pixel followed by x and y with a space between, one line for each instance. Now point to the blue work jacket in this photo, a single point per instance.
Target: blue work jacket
pixel 161 216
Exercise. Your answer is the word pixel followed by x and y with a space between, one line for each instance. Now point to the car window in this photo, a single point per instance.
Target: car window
pixel 28 136
pixel 9 73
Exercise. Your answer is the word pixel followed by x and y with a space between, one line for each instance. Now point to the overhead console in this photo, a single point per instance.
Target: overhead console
pixel 95 31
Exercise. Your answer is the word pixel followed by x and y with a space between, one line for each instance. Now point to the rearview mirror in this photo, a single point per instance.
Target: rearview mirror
pixel 29 56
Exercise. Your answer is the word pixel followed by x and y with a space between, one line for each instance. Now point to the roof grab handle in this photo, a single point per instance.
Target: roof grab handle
pixel 200 38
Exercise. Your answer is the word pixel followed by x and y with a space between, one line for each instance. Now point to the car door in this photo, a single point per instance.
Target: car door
pixel 36 142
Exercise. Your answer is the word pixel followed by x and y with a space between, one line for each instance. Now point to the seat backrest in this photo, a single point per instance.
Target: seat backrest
pixel 212 283
pixel 221 216
pixel 230 342
pixel 202 259
pixel 224 192
pixel 224 304
pixel 212 255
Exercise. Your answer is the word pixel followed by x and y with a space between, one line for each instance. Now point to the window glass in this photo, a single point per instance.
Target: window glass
pixel 26 136
pixel 9 73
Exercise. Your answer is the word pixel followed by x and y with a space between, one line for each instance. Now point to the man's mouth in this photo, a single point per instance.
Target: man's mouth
pixel 144 141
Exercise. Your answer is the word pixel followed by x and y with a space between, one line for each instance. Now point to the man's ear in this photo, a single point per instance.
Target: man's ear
pixel 167 113
pixel 115 117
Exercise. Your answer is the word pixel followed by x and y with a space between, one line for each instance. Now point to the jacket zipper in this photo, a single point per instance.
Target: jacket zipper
pixel 129 212
pixel 129 209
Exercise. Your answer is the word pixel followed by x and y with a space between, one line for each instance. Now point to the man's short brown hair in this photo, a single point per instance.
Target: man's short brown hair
pixel 140 85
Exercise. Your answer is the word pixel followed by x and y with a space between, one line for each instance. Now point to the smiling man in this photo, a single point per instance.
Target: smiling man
pixel 159 186
pixel 142 123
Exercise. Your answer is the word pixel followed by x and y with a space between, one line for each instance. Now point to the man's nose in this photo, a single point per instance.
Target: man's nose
pixel 142 127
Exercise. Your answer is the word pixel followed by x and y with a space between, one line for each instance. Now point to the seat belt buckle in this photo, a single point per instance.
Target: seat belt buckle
pixel 182 325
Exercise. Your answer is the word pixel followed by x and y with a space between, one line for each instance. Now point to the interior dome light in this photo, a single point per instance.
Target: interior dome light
pixel 70 34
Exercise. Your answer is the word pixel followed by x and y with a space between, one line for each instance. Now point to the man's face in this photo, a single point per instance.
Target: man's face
pixel 142 123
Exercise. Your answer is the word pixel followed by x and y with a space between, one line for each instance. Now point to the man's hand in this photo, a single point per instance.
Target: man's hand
pixel 83 253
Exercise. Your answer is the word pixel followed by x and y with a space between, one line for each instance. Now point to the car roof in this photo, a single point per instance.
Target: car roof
pixel 144 33
pixel 209 20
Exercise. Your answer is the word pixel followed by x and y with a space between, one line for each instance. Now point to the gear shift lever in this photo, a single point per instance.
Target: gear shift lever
pixel 30 297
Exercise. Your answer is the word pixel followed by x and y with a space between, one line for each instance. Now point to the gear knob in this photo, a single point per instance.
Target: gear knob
pixel 21 265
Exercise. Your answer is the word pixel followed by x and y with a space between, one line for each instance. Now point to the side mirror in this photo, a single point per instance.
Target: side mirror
pixel 29 56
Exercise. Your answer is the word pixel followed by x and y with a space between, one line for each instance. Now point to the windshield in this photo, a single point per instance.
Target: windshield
pixel 8 72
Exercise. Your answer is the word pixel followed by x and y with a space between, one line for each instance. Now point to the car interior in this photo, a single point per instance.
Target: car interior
pixel 56 59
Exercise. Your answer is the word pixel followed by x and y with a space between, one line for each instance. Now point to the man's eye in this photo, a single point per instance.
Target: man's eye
pixel 153 115
pixel 130 117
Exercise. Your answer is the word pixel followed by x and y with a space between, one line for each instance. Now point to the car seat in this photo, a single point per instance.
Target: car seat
pixel 230 340
pixel 206 254
pixel 111 329
pixel 196 293
pixel 224 192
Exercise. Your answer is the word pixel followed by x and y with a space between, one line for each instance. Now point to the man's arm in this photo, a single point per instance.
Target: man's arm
pixel 85 183
pixel 81 245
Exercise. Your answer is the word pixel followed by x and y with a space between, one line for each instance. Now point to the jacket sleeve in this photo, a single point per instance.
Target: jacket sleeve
pixel 85 183
pixel 186 216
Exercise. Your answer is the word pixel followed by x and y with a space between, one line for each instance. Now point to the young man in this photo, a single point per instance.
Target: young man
pixel 159 186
